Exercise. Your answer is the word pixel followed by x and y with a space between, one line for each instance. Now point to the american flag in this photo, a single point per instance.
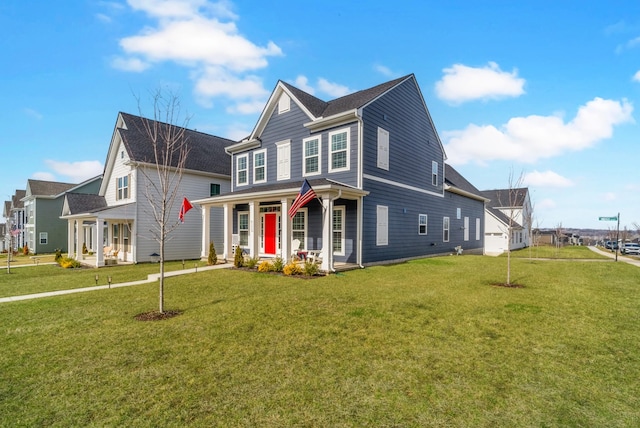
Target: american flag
pixel 304 196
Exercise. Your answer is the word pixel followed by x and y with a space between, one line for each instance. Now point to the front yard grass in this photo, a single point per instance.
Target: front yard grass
pixel 39 279
pixel 425 343
pixel 551 252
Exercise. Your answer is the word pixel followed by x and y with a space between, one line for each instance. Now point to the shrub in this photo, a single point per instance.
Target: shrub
pixel 265 266
pixel 67 262
pixel 278 264
pixel 291 268
pixel 25 250
pixel 84 248
pixel 58 255
pixel 238 258
pixel 310 268
pixel 213 257
pixel 251 262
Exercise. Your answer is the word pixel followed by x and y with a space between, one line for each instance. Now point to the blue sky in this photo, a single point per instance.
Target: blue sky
pixel 543 89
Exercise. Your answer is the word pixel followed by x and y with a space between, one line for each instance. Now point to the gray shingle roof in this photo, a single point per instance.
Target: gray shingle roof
pixel 47 188
pixel 455 179
pixel 320 108
pixel 502 197
pixel 206 152
pixel 84 203
pixel 15 199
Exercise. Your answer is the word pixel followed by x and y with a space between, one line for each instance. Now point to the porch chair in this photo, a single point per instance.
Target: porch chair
pixel 106 252
pixel 295 246
pixel 315 255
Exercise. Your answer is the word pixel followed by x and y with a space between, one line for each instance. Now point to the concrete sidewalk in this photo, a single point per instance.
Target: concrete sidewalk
pixel 151 278
pixel 612 255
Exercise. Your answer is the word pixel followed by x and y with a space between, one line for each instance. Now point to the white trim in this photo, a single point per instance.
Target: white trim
pixel 382 225
pixel 284 103
pixel 426 224
pixel 281 174
pixel 347 150
pixel 264 165
pixel 466 228
pixel 401 185
pixel 383 149
pixel 446 220
pixel 434 173
pixel 304 157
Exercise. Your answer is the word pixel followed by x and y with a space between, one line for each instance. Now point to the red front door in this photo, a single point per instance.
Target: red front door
pixel 270 233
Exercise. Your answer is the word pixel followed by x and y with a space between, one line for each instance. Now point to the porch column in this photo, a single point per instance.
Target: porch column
pixel 71 224
pixel 98 244
pixel 358 230
pixel 254 222
pixel 285 224
pixel 327 242
pixel 227 210
pixel 78 240
pixel 206 231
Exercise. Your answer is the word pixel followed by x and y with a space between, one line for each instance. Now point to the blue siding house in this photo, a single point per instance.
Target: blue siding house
pixel 376 164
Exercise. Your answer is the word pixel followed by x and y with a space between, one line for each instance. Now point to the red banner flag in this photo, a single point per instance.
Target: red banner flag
pixel 186 206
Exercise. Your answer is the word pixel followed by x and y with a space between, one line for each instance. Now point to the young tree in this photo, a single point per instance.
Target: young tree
pixel 510 200
pixel 163 175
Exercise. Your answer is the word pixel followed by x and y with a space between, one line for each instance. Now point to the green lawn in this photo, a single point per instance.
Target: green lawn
pixel 425 343
pixel 550 252
pixel 38 279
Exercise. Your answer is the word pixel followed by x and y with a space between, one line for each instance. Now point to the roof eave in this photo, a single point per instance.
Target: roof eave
pixel 335 120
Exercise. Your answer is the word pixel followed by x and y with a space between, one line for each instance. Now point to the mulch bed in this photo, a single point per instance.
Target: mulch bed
pixel 157 316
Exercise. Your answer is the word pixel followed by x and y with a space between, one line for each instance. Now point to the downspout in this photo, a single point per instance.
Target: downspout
pixel 360 185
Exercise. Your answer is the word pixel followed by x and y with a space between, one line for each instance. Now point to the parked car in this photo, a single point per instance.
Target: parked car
pixel 630 248
pixel 611 245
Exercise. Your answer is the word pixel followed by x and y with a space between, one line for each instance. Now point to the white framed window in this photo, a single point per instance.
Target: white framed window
pixel 434 173
pixel 284 155
pixel 284 103
pixel 458 213
pixel 339 150
pixel 445 229
pixel 311 156
pixel 44 238
pixel 260 166
pixel 383 149
pixel 382 225
pixel 337 228
pixel 466 228
pixel 214 189
pixel 122 184
pixel 299 227
pixel 422 224
pixel 477 229
pixel 243 228
pixel 242 170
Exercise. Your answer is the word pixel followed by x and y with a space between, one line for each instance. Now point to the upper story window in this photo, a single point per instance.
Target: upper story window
pixel 284 155
pixel 383 149
pixel 458 213
pixel 339 150
pixel 122 188
pixel 214 189
pixel 284 103
pixel 260 166
pixel 311 161
pixel 434 173
pixel 242 170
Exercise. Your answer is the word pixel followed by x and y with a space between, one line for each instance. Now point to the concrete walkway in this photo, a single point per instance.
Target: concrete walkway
pixel 151 278
pixel 612 255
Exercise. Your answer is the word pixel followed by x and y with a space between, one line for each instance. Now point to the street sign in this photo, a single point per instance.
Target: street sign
pixel 608 218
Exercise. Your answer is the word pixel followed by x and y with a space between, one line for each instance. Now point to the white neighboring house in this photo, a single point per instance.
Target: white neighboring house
pixel 116 224
pixel 508 216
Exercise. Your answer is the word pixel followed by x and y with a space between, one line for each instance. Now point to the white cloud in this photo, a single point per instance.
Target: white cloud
pixel 384 70
pixel 45 176
pixel 33 113
pixel 636 77
pixel 462 83
pixel 191 33
pixel 237 132
pixel 609 196
pixel 546 179
pixel 527 139
pixel 546 203
pixel 76 172
pixel 334 90
pixel 302 83
pixel 250 107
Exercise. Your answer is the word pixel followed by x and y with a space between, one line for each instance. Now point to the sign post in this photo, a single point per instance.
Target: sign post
pixel 616 218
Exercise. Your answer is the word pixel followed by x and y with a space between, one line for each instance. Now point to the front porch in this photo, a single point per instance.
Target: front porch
pixel 257 220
